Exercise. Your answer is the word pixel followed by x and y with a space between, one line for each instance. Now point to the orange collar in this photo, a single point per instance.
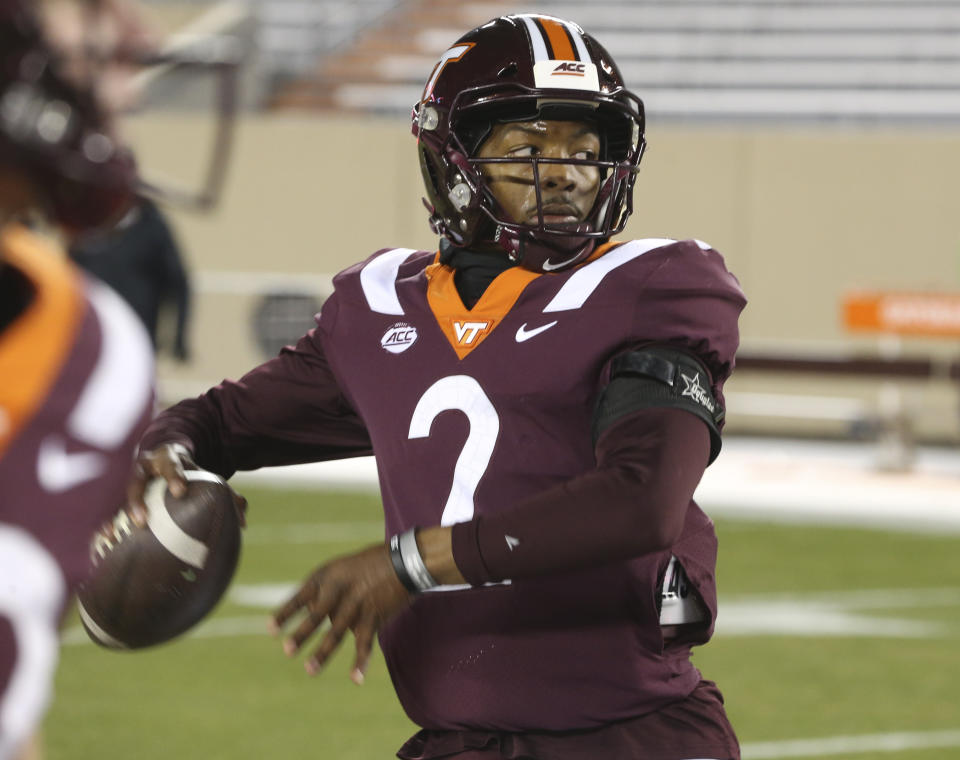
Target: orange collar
pixel 465 328
pixel 34 347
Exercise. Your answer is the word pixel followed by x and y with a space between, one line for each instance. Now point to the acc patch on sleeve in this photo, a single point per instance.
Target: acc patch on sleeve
pixel 659 376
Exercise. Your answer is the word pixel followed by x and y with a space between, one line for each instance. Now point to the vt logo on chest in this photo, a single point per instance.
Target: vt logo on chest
pixel 465 329
pixel 469 332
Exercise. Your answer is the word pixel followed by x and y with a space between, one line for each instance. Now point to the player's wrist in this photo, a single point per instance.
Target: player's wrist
pixel 408 563
pixel 436 548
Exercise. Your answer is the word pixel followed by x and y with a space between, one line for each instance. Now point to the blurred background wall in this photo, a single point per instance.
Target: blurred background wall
pixel 815 144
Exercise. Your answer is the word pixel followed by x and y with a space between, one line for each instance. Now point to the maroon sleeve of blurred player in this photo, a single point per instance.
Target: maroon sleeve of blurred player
pixel 634 503
pixel 81 393
pixel 288 410
pixel 66 457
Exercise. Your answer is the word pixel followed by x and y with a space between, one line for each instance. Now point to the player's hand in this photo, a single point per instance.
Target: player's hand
pixel 358 592
pixel 167 461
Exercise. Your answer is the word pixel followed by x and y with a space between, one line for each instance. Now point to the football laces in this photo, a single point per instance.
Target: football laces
pixel 110 535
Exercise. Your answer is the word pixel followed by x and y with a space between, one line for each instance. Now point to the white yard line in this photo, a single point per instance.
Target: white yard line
pixel 828 608
pixel 766 480
pixel 216 628
pixel 838 613
pixel 313 533
pixel 850 745
pixel 826 615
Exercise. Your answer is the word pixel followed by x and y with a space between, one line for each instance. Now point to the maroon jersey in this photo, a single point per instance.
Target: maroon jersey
pixel 76 391
pixel 468 413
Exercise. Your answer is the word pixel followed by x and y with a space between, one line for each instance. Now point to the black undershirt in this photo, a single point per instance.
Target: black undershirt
pixel 16 292
pixel 474 271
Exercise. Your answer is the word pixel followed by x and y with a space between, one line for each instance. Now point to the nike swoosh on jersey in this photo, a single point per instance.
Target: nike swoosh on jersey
pixel 59 470
pixel 524 334
pixel 549 266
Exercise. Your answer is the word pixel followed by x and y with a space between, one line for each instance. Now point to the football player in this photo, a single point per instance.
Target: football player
pixel 76 367
pixel 542 400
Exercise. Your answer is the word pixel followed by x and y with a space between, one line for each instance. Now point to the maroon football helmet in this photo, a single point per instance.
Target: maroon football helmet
pixel 57 132
pixel 519 68
pixel 54 130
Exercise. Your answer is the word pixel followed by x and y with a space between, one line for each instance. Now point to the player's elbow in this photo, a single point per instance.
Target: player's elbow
pixel 668 526
pixel 657 514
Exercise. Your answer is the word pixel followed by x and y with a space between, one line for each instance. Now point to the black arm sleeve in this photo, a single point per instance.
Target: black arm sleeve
pixel 635 502
pixel 659 376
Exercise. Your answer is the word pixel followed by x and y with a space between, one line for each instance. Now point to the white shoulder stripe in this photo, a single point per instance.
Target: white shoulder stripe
pixel 587 278
pixel 379 281
pixel 120 386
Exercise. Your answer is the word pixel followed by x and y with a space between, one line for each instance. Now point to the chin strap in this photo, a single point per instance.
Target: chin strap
pixel 514 246
pixel 541 257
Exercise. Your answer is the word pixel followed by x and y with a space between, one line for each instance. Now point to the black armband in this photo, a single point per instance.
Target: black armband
pixel 659 376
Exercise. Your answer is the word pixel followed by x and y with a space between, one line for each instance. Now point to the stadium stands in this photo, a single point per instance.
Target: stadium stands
pixel 733 79
pixel 727 60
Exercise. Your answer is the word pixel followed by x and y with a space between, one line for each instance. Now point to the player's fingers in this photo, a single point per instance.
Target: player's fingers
pixel 136 507
pixel 293 605
pixel 137 485
pixel 310 625
pixel 340 622
pixel 169 467
pixel 363 632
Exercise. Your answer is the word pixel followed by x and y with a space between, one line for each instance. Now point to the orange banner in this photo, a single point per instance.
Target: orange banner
pixel 919 314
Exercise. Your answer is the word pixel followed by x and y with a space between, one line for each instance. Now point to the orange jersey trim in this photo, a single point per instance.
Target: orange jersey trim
pixel 465 328
pixel 35 346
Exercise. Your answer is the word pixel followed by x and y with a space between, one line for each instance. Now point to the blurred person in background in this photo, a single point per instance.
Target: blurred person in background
pixel 140 259
pixel 542 401
pixel 76 366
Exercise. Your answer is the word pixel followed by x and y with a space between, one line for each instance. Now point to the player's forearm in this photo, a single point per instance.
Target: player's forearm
pixel 633 504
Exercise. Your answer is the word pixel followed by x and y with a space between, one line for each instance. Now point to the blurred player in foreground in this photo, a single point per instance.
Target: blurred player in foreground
pixel 542 402
pixel 76 366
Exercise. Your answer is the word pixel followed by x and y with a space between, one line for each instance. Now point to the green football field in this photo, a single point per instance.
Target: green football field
pixel 831 643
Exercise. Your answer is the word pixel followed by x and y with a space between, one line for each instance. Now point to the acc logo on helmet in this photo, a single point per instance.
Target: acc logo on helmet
pixel 566 75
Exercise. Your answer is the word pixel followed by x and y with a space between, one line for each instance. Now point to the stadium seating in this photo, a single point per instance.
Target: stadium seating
pixel 727 60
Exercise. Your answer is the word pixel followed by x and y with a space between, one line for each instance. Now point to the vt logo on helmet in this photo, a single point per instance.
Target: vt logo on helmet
pixel 517 69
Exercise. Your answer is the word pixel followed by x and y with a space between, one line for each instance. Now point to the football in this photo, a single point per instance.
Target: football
pixel 150 584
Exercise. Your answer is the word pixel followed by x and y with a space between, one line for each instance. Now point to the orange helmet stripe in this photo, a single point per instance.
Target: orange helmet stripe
pixel 559 39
